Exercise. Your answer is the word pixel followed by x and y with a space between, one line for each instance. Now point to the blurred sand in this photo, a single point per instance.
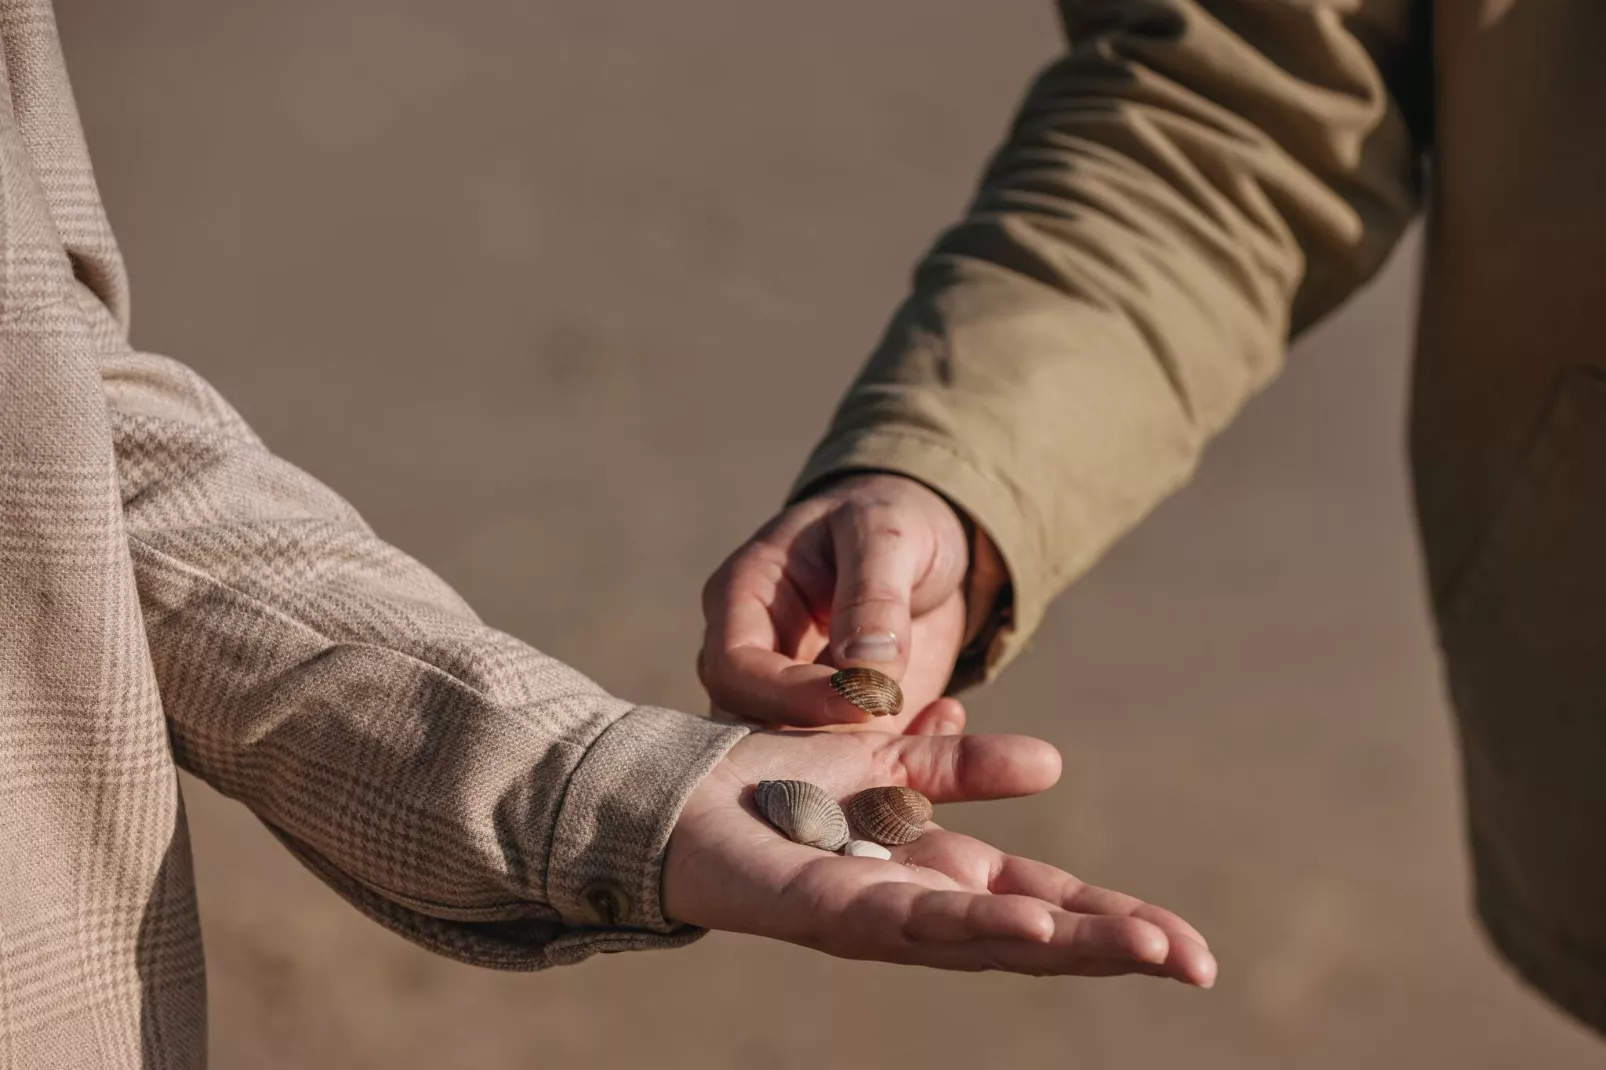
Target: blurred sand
pixel 559 294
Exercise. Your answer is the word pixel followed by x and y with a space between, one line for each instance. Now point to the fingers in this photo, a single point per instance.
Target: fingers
pixel 1189 958
pixel 877 564
pixel 1092 899
pixel 978 867
pixel 922 916
pixel 959 768
pixel 769 688
pixel 976 931
pixel 1025 876
pixel 1080 945
pixel 865 909
pixel 757 618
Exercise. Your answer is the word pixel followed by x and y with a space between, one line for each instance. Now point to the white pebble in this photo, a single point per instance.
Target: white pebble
pixel 865 849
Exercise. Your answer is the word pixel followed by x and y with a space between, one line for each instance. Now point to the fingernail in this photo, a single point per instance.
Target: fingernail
pixel 873 692
pixel 875 646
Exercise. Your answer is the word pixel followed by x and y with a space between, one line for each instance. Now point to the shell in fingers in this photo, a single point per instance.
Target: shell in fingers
pixel 803 811
pixel 866 849
pixel 874 692
pixel 890 815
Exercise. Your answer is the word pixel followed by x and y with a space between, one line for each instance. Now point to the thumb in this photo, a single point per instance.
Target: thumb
pixel 971 768
pixel 877 563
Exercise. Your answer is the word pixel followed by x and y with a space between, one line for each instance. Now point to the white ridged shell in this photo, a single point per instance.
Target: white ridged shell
pixel 803 811
pixel 866 849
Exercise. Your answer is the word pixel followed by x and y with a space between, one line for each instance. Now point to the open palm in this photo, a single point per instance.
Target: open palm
pixel 947 900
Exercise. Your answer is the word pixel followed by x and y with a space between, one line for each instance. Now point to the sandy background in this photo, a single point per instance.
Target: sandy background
pixel 559 294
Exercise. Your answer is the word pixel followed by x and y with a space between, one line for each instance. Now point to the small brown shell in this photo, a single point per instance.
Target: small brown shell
pixel 890 816
pixel 803 811
pixel 874 692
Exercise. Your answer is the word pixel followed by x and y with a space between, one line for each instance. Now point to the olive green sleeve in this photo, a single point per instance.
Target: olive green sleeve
pixel 1187 187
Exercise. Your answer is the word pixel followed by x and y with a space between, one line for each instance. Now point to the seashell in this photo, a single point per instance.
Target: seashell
pixel 890 815
pixel 803 811
pixel 866 849
pixel 874 692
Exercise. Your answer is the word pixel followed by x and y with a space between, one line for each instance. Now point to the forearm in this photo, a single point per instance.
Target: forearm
pixel 1189 185
pixel 459 786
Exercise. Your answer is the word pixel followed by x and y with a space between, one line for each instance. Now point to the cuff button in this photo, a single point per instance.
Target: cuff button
pixel 604 904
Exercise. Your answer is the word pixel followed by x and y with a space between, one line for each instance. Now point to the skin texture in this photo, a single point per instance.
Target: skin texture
pixel 872 557
pixel 946 900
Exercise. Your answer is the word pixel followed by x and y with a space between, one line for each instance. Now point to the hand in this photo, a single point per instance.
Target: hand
pixel 869 572
pixel 946 900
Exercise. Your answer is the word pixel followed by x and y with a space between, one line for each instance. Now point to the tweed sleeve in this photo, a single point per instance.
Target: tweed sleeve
pixel 456 785
pixel 1190 184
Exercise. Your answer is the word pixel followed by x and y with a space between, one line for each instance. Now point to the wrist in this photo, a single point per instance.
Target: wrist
pixel 610 837
pixel 989 602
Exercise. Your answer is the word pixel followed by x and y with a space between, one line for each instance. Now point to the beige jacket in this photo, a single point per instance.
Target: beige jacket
pixel 173 594
pixel 1192 184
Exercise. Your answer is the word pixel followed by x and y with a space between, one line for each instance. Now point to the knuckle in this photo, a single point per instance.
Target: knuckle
pixel 877 518
pixel 867 592
pixel 716 585
pixel 755 565
pixel 889 761
pixel 759 565
pixel 880 522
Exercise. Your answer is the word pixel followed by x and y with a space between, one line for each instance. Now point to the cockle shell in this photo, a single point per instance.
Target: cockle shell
pixel 890 815
pixel 874 692
pixel 865 849
pixel 803 811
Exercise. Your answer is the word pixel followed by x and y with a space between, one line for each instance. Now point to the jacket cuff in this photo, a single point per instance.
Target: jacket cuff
pixel 605 869
pixel 990 501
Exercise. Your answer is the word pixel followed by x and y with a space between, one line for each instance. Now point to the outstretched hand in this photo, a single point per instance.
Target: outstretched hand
pixel 868 572
pixel 946 900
